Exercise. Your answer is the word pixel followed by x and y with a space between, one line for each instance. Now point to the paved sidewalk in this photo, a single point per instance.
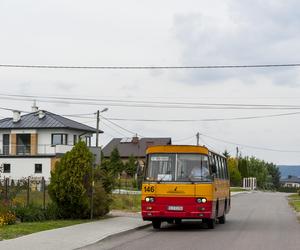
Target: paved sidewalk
pixel 77 236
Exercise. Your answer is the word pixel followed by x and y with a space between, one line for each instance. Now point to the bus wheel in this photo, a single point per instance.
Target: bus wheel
pixel 178 221
pixel 211 223
pixel 156 224
pixel 222 219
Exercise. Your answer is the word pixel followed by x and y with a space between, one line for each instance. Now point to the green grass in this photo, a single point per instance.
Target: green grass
pixel 126 202
pixel 20 229
pixel 237 189
pixel 294 201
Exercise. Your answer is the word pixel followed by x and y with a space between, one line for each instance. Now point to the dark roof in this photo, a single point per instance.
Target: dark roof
pixel 291 179
pixel 50 120
pixel 132 147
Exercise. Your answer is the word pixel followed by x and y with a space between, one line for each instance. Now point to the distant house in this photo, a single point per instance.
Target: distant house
pixel 133 146
pixel 291 181
pixel 31 144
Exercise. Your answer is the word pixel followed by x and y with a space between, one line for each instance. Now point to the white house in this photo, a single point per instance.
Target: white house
pixel 31 144
pixel 291 181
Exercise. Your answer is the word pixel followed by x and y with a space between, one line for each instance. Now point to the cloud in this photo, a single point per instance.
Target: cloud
pixel 250 32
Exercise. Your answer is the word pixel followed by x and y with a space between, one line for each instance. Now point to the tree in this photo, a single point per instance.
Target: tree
pixel 226 154
pixel 243 166
pixel 274 172
pixel 70 182
pixel 131 166
pixel 235 175
pixel 115 163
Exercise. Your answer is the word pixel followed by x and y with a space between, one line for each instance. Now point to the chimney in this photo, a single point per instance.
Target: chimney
pixel 41 114
pixel 34 108
pixel 16 116
pixel 135 139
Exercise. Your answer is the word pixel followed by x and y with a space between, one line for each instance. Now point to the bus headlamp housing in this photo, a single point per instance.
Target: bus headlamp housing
pixel 150 199
pixel 201 200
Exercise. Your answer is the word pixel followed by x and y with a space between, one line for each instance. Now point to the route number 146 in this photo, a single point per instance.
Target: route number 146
pixel 149 189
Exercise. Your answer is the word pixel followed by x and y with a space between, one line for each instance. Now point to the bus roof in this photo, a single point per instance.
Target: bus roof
pixel 177 149
pixel 180 149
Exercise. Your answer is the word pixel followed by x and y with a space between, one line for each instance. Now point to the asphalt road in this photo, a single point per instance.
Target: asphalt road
pixel 256 221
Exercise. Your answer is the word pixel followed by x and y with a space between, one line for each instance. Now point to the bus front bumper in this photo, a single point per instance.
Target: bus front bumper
pixel 189 210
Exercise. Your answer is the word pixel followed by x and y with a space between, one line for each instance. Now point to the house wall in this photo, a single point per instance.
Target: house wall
pixel 44 139
pixel 291 184
pixel 21 167
pixel 41 140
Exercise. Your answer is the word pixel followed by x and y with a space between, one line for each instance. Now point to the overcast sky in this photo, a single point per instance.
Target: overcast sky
pixel 161 33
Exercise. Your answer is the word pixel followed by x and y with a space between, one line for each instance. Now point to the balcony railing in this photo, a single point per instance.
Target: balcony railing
pixel 41 149
pixel 23 150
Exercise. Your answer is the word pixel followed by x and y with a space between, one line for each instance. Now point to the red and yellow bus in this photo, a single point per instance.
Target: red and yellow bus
pixel 185 182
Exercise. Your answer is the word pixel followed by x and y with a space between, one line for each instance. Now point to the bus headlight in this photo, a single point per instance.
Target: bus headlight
pixel 201 200
pixel 149 199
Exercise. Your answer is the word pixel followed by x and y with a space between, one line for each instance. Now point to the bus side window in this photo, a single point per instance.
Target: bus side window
pixel 221 168
pixel 217 166
pixel 226 169
pixel 211 164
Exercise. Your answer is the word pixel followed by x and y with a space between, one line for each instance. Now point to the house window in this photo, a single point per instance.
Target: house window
pixel 59 139
pixel 5 144
pixel 74 139
pixel 37 168
pixel 6 168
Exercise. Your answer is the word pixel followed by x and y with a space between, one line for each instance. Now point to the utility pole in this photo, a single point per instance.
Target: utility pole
pixel 97 128
pixel 93 182
pixel 198 138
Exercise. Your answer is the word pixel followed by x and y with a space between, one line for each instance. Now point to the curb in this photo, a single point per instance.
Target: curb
pixel 116 235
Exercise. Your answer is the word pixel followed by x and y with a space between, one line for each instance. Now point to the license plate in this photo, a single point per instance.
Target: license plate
pixel 175 208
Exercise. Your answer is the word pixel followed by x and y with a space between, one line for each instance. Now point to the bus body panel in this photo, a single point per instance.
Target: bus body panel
pixel 178 200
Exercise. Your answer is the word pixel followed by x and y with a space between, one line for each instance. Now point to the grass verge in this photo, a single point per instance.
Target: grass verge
pixel 237 189
pixel 126 202
pixel 20 229
pixel 294 201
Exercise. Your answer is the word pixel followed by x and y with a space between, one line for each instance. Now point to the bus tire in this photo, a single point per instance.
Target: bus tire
pixel 178 221
pixel 156 224
pixel 222 219
pixel 211 223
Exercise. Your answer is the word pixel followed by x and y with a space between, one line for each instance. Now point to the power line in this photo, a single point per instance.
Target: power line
pixel 112 128
pixel 59 98
pixel 250 146
pixel 208 106
pixel 149 67
pixel 119 126
pixel 204 120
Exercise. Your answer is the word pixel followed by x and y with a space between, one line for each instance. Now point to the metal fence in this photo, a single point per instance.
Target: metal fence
pixel 24 191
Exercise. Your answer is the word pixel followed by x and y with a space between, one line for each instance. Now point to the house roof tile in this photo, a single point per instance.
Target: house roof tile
pixel 50 120
pixel 127 148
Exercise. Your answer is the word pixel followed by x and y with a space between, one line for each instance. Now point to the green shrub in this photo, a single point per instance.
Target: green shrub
pixel 288 189
pixel 101 201
pixel 70 182
pixel 30 213
pixel 52 212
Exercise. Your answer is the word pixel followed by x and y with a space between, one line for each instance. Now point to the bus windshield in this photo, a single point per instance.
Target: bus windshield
pixel 178 167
